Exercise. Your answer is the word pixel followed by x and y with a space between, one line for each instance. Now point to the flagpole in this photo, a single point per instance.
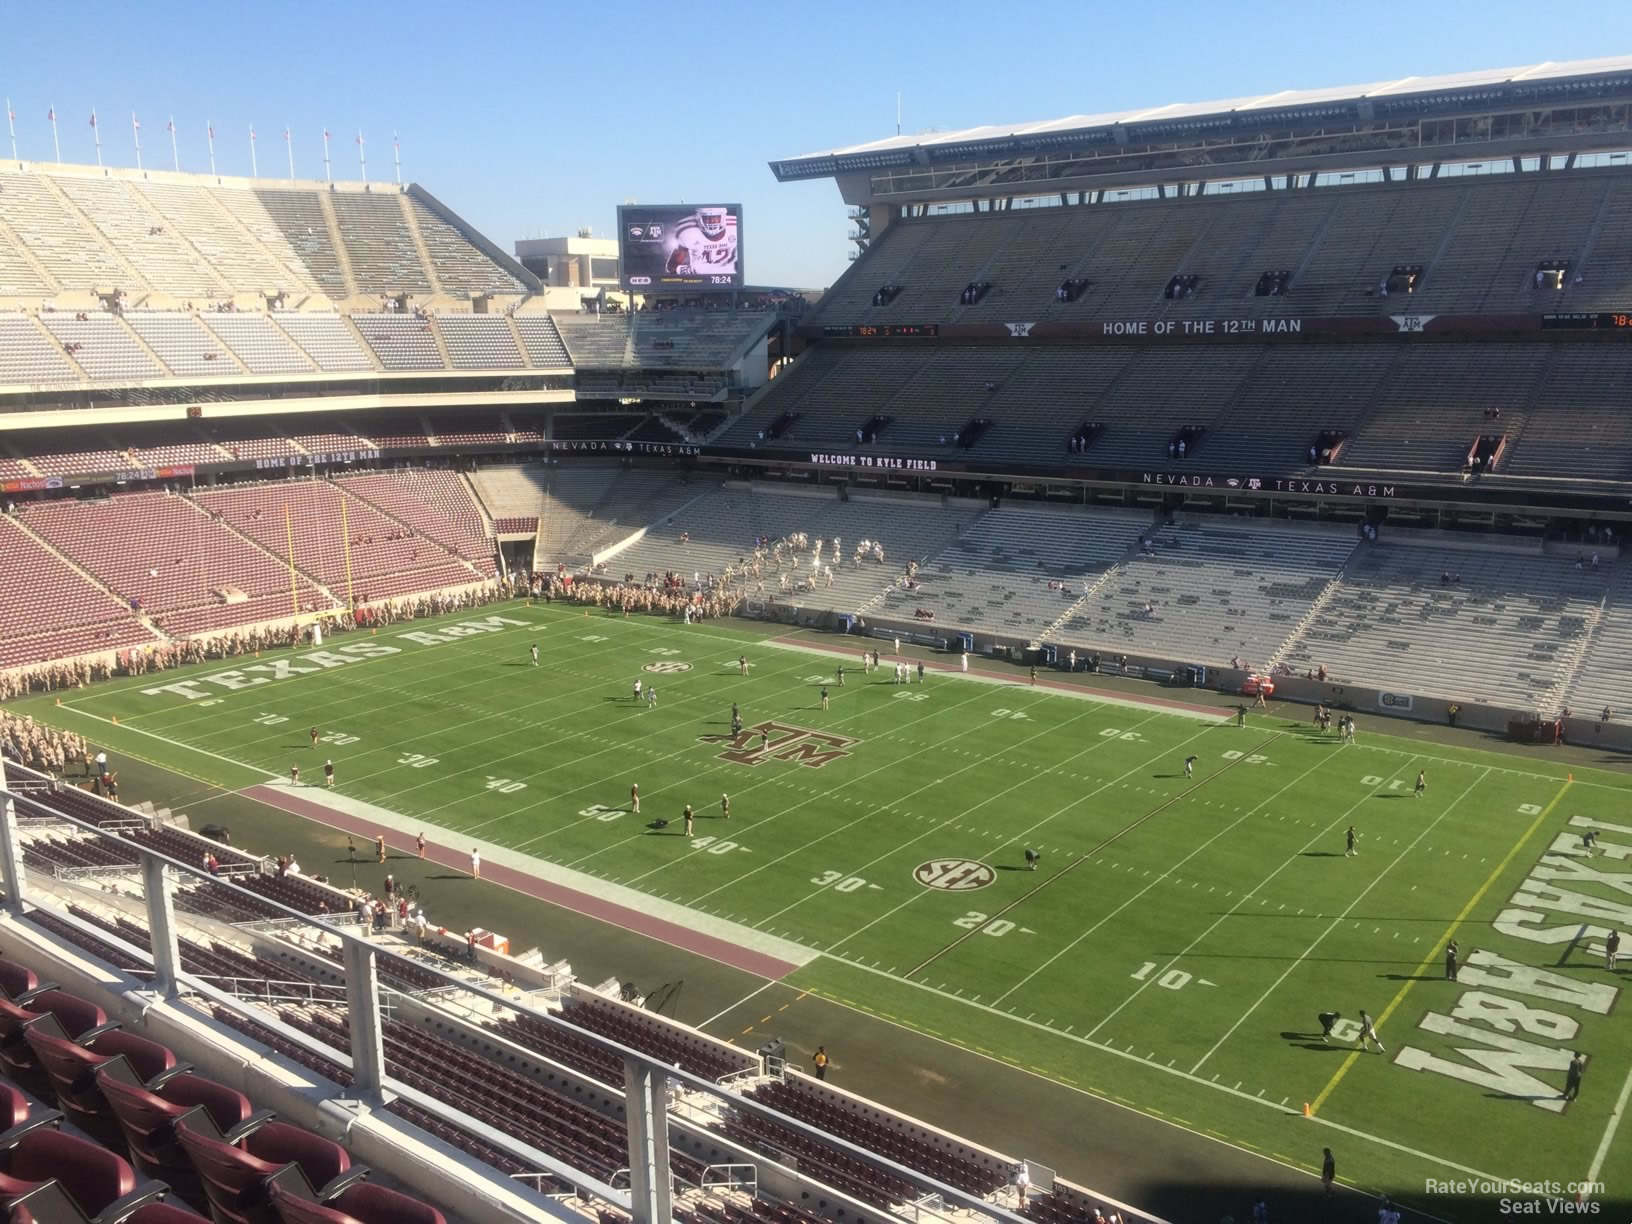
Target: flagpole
pixel 96 134
pixel 362 156
pixel 136 135
pixel 396 153
pixel 209 129
pixel 55 143
pixel 175 157
pixel 328 175
pixel 254 170
pixel 11 125
pixel 289 145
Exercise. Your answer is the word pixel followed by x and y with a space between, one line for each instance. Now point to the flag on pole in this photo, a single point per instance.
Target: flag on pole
pixel 93 118
pixel 51 115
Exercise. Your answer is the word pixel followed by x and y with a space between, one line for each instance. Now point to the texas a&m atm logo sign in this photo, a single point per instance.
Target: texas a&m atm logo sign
pixel 774 741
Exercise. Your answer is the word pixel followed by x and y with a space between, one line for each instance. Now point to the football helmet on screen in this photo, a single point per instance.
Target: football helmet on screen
pixel 711 221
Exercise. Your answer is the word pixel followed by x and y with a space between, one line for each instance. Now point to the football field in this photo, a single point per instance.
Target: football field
pixel 1172 947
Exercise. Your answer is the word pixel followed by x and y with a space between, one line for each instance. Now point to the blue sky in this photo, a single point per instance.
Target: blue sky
pixel 538 118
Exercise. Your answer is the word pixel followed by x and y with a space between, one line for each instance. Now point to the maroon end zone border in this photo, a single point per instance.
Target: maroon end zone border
pixel 673 933
pixel 1161 703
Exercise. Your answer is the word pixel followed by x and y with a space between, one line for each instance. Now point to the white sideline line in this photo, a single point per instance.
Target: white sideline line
pixel 940 673
pixel 165 739
pixel 580 881
pixel 1130 1056
pixel 1427 829
pixel 1154 1066
pixel 1609 1131
pixel 733 1006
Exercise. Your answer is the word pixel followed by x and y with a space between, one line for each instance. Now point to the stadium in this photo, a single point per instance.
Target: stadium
pixel 1119 697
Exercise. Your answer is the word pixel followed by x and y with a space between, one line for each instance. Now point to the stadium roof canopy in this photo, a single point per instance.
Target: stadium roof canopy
pixel 1545 85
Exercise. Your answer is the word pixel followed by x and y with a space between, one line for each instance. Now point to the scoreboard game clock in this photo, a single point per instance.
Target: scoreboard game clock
pixel 880 331
pixel 1607 320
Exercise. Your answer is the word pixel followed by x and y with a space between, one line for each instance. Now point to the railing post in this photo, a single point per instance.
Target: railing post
pixel 157 885
pixel 11 854
pixel 646 1092
pixel 363 1011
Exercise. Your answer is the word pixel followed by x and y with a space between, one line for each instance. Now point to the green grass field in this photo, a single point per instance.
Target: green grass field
pixel 1172 949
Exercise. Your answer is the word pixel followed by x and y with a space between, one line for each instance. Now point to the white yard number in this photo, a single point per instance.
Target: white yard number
pixel 974 920
pixel 417 760
pixel 1372 780
pixel 661 650
pixel 815 679
pixel 1245 758
pixel 1118 733
pixel 271 720
pixel 1173 979
pixel 905 696
pixel 601 812
pixel 592 637
pixel 839 882
pixel 712 846
pixel 1012 715
pixel 505 786
pixel 1530 809
pixel 335 737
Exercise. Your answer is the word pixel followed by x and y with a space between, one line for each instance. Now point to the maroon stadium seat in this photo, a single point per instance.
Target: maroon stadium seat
pixel 147 1117
pixel 41 1167
pixel 235 1176
pixel 18 980
pixel 76 1017
pixel 71 1067
pixel 359 1204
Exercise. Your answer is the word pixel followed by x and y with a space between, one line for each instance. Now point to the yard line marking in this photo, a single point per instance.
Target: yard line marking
pixel 1147 888
pixel 165 739
pixel 785 811
pixel 1113 838
pixel 1174 1071
pixel 890 913
pixel 1609 1130
pixel 740 1002
pixel 1332 926
pixel 1450 931
pixel 1052 729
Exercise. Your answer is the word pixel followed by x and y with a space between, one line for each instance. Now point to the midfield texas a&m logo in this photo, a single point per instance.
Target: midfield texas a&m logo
pixel 774 741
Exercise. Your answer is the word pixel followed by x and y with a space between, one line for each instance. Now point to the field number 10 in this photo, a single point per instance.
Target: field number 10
pixel 1173 979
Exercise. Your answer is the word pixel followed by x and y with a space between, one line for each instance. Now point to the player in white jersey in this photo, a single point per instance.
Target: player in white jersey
pixel 705 244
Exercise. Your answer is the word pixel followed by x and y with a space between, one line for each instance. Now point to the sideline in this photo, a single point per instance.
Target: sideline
pixel 1059 688
pixel 730 943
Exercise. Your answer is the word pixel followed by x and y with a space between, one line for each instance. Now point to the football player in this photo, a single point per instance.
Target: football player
pixel 705 244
